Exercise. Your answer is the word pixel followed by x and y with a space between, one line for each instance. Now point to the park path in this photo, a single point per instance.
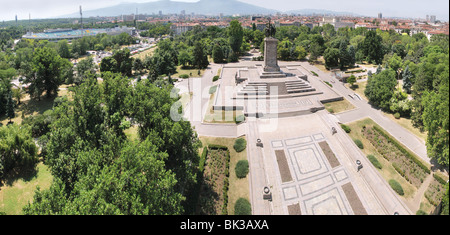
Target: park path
pixel 364 109
pixel 414 204
pixel 198 105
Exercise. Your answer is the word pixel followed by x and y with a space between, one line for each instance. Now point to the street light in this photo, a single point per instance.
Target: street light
pixel 360 166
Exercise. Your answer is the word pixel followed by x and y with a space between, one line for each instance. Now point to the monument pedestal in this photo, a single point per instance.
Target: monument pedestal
pixel 271 68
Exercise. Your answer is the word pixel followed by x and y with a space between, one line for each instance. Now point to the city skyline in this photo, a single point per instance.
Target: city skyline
pixel 399 8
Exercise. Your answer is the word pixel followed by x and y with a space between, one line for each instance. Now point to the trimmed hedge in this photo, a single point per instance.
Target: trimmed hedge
pixel 215 78
pixel 374 161
pixel 239 145
pixel 184 76
pixel 242 207
pixel 396 187
pixel 359 143
pixel 241 169
pixel 346 128
pixel 201 165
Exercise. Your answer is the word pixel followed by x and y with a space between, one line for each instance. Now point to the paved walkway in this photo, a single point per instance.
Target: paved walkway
pixel 370 187
pixel 364 109
pixel 198 105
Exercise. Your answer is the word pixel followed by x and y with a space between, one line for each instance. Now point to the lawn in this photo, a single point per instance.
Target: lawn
pixel 359 88
pixel 220 116
pixel 30 107
pixel 339 106
pixel 143 54
pixel 237 187
pixel 19 189
pixel 192 72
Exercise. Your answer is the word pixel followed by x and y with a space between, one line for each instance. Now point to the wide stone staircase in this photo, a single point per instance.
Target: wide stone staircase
pixel 298 86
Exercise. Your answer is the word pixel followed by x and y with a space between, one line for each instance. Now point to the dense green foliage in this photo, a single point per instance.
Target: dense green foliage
pixel 396 187
pixel 374 161
pixel 240 145
pixel 242 207
pixel 359 143
pixel 380 88
pixel 444 210
pixel 241 169
pixel 98 170
pixel 346 128
pixel 17 148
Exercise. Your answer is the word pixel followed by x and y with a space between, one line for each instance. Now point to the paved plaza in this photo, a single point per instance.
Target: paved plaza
pixel 309 169
pixel 316 186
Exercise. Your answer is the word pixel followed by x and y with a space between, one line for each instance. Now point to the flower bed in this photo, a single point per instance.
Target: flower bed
pixel 405 163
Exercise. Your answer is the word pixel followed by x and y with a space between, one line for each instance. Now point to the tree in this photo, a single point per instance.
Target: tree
pixel 218 55
pixel 49 72
pixel 331 56
pixel 372 47
pixel 84 68
pixel 235 38
pixel 10 107
pixel 436 121
pixel 407 80
pixel 17 148
pixel 344 56
pixel 185 58
pixel 138 65
pixel 200 58
pixel 136 182
pixel 5 88
pixel 380 88
pixel 124 61
pixel 18 94
pixel 63 49
pixel 283 50
pixel 151 108
pixel 351 80
pixel 395 62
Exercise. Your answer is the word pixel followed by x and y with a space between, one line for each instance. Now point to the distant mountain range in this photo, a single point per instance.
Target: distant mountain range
pixel 204 7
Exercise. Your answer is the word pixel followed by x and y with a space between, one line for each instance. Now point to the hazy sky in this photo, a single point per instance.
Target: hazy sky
pixel 389 8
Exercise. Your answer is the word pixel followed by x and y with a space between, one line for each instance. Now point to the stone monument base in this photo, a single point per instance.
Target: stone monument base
pixel 267 75
pixel 270 55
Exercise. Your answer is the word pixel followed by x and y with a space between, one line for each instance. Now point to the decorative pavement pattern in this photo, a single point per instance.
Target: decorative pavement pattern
pixel 309 183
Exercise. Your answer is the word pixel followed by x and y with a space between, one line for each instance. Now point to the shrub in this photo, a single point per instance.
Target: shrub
pixel 184 76
pixel 374 161
pixel 314 73
pixel 346 128
pixel 421 212
pixel 239 145
pixel 241 169
pixel 359 143
pixel 242 207
pixel 396 187
pixel 201 164
pixel 397 115
pixel 215 78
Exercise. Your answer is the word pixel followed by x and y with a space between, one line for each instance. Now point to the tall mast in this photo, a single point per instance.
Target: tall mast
pixel 81 20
